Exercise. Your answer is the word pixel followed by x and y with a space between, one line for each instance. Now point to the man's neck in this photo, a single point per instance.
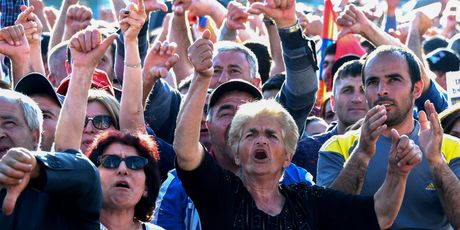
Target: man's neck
pixel 404 128
pixel 341 127
pixel 224 162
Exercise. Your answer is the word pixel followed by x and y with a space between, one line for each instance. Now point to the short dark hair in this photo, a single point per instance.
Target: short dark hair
pixel 331 49
pixel 146 147
pixel 414 68
pixel 274 82
pixel 348 69
pixel 434 43
pixel 264 60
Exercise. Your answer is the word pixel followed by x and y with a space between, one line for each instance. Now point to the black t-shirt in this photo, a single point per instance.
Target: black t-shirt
pixel 224 203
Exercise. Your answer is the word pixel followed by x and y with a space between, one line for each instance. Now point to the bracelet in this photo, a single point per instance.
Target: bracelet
pixel 291 29
pixel 133 66
pixel 268 21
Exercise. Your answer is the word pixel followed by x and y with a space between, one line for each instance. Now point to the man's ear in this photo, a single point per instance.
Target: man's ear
pixel 68 68
pixel 258 82
pixel 36 137
pixel 418 89
pixel 52 80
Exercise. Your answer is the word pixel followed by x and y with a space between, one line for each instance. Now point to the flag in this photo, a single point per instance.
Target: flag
pixel 328 37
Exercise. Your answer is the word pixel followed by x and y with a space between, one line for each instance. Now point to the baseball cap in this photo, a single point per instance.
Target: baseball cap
pixel 444 60
pixel 100 81
pixel 37 84
pixel 233 85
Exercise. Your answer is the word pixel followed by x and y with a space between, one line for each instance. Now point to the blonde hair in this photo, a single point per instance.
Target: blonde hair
pixel 109 102
pixel 271 108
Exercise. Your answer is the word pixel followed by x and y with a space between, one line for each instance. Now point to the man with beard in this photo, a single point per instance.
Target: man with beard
pixel 392 81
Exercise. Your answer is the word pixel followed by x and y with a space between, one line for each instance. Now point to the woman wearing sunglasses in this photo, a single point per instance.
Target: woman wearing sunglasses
pixel 129 176
pixel 102 114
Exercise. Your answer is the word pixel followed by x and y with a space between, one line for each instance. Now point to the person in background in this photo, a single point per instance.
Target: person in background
pixel 441 61
pixel 450 120
pixel 315 126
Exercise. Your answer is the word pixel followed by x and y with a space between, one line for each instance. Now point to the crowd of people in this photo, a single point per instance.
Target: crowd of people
pixel 219 114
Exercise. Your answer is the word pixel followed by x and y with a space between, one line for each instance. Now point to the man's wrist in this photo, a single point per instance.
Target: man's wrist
pixel 285 24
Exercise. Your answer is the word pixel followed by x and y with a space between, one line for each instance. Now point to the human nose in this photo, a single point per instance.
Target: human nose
pixel 357 97
pixel 382 89
pixel 122 168
pixel 223 77
pixel 261 140
pixel 88 128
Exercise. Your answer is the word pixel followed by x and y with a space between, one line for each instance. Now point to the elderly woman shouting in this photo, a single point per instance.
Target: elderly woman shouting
pixel 263 137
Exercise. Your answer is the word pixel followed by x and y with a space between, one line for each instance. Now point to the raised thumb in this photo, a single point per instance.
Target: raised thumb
pixel 206 35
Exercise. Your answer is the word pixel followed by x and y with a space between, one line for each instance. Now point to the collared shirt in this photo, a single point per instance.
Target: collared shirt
pixel 10 11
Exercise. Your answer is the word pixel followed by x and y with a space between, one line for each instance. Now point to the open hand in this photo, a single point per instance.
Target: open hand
pixel 431 134
pixel 371 129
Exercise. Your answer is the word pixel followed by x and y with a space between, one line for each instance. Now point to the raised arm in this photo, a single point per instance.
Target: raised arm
pixel 179 33
pixel 39 10
pixel 159 60
pixel 13 43
pixel 404 156
pixel 78 17
pixel 237 16
pixel 353 20
pixel 188 149
pixel 87 49
pixel 131 110
pixel 298 93
pixel 33 29
pixel 58 29
pixel 446 182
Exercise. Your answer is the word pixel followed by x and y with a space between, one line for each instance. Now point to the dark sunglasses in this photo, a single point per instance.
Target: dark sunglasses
pixel 100 122
pixel 113 161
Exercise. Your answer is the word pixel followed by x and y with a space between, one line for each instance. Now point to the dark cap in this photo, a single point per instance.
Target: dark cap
pixel 444 60
pixel 37 84
pixel 339 62
pixel 233 85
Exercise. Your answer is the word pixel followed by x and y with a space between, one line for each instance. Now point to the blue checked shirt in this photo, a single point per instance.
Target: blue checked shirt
pixel 10 11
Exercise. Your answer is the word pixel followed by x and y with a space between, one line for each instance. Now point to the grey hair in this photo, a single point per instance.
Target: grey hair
pixel 225 46
pixel 32 113
pixel 271 108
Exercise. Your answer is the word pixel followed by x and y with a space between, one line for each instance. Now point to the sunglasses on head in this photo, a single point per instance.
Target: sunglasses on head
pixel 113 161
pixel 100 122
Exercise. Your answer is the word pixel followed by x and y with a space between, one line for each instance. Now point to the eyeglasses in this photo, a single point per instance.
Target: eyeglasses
pixel 100 122
pixel 113 161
